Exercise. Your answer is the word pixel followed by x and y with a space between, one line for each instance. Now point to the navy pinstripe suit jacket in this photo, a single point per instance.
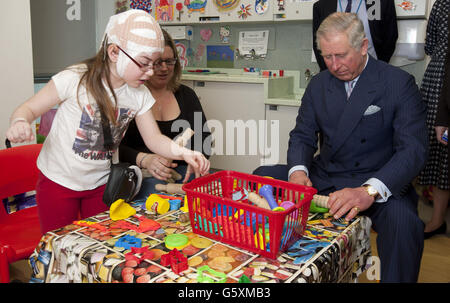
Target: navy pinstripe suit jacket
pixel 390 144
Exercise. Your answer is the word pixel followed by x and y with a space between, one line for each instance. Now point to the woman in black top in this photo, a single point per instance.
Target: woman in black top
pixel 176 108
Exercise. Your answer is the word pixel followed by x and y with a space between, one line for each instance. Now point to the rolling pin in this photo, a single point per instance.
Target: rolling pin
pixel 171 188
pixel 258 200
pixel 321 201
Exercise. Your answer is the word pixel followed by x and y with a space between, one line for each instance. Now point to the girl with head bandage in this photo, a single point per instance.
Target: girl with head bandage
pixel 106 90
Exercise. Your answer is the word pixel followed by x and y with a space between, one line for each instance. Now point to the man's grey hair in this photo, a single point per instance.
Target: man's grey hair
pixel 347 23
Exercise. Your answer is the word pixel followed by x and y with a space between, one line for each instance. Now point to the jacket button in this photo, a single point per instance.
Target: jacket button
pixel 363 140
pixel 356 164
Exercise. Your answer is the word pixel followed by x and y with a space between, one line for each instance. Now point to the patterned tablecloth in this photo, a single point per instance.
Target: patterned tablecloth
pixel 330 251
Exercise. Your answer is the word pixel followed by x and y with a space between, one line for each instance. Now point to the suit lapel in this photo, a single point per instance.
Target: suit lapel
pixel 337 95
pixel 362 96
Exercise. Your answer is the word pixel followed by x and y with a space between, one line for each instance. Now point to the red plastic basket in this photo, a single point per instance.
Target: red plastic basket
pixel 214 214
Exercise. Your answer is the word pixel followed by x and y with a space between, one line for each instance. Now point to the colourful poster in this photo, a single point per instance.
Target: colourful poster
pixel 195 5
pixel 181 48
pixel 225 5
pixel 145 5
pixel 261 6
pixel 164 10
pixel 220 56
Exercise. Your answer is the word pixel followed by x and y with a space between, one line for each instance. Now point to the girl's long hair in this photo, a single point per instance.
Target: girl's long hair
pixel 98 71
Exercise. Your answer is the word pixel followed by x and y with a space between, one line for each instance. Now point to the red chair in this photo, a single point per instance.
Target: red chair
pixel 20 231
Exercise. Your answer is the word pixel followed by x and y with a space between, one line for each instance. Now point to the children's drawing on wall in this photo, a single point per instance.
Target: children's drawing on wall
pixel 225 34
pixel 182 56
pixel 179 7
pixel 195 5
pixel 407 5
pixel 220 56
pixel 164 10
pixel 224 5
pixel 205 34
pixel 261 6
pixel 200 52
pixel 121 6
pixel 145 5
pixel 244 12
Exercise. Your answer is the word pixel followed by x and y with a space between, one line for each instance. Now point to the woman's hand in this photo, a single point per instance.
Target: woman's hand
pixel 160 167
pixel 20 131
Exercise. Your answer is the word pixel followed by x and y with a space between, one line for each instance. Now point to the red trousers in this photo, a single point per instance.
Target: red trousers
pixel 59 206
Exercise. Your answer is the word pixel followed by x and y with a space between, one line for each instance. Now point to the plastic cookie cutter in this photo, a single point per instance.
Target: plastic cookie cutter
pixel 244 279
pixel 142 251
pixel 128 242
pixel 205 279
pixel 147 224
pixel 90 224
pixel 240 194
pixel 177 261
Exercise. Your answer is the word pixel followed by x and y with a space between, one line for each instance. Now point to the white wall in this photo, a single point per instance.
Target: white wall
pixel 104 9
pixel 16 77
pixel 63 33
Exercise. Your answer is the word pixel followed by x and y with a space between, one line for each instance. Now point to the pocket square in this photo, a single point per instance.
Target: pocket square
pixel 371 110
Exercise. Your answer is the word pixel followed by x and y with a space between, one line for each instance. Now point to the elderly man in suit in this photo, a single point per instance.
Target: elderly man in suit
pixel 371 121
pixel 379 19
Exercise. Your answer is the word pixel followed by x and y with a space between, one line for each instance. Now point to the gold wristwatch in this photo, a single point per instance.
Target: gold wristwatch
pixel 371 191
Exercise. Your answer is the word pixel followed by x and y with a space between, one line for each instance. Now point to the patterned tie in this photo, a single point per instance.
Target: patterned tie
pixel 350 88
pixel 348 9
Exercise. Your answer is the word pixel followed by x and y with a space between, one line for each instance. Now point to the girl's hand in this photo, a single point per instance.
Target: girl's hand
pixel 20 131
pixel 197 163
pixel 158 166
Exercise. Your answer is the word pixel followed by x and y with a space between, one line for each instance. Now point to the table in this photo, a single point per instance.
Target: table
pixel 330 251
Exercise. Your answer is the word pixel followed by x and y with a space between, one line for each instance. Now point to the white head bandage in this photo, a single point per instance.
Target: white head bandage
pixel 136 32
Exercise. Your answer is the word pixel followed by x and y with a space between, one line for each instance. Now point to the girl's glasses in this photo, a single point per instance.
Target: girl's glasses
pixel 143 68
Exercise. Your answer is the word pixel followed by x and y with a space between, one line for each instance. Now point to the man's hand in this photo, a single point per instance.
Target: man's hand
pixel 299 177
pixel 349 201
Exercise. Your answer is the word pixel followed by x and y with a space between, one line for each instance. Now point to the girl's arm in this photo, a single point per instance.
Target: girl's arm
pixel 20 122
pixel 164 146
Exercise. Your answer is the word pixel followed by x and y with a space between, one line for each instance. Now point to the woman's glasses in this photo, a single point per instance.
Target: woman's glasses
pixel 169 62
pixel 142 67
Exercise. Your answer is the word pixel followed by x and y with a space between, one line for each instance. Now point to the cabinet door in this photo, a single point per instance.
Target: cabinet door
pixel 284 117
pixel 235 114
pixel 293 10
